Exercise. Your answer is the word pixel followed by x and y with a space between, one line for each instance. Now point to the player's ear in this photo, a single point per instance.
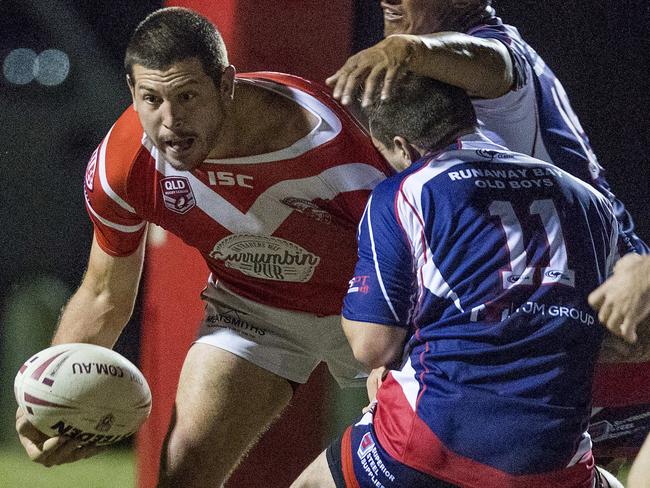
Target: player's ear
pixel 227 84
pixel 408 154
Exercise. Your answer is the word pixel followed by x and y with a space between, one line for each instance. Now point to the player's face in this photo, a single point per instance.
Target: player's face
pixel 180 109
pixel 415 16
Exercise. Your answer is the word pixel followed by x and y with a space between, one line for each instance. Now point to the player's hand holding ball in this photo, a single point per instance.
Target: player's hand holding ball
pixel 75 399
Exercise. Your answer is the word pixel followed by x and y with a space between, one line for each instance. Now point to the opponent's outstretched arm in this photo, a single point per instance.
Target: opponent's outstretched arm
pixel 482 67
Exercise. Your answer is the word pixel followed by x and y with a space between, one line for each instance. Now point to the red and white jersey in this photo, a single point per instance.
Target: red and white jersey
pixel 278 228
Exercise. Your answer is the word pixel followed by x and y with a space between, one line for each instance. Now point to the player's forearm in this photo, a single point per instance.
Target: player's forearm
pixel 482 67
pixel 96 318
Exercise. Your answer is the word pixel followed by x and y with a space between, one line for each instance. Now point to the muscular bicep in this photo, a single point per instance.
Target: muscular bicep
pixel 374 345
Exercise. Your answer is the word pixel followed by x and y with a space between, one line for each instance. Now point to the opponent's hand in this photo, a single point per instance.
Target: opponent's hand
pixel 373 383
pixel 50 451
pixel 385 62
pixel 623 301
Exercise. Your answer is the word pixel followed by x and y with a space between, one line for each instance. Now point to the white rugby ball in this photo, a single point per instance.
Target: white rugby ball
pixel 87 392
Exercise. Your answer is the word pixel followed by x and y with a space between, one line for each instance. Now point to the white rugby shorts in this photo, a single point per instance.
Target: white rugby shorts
pixel 285 342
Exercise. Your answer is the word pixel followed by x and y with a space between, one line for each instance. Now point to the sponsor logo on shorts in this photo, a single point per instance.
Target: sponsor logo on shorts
pixel 372 463
pixel 232 319
pixel 358 284
pixel 366 445
pixel 309 208
pixel 265 257
pixel 177 194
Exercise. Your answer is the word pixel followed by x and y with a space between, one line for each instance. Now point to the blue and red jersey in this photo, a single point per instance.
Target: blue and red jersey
pixel 486 257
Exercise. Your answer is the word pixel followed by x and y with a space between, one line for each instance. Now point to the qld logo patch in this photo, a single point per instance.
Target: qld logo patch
pixel 366 445
pixel 177 194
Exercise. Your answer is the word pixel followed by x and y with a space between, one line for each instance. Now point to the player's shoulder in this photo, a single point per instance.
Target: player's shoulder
pixel 313 95
pixel 494 28
pixel 336 123
pixel 113 161
pixel 388 190
pixel 123 142
pixel 286 79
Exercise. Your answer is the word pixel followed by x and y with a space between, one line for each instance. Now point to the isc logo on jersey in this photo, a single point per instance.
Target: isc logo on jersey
pixel 225 178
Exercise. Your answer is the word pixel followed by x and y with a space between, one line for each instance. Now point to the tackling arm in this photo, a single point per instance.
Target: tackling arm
pixel 103 303
pixel 482 67
pixel 374 345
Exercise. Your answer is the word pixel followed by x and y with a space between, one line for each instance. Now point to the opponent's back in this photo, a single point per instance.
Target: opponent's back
pixel 487 257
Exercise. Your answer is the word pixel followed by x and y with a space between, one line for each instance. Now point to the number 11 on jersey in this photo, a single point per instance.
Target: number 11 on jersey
pixel 519 273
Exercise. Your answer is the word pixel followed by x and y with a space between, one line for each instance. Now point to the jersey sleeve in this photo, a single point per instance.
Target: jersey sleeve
pixel 498 32
pixel 383 286
pixel 118 228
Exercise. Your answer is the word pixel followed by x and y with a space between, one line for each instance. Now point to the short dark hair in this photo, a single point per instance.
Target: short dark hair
pixel 174 34
pixel 426 112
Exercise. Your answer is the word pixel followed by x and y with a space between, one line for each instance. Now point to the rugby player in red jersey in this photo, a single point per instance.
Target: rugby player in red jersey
pixel 267 177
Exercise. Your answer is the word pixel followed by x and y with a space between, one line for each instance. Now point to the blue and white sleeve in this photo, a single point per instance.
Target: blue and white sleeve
pixel 383 285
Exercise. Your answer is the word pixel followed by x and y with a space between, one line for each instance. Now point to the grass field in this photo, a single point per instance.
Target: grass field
pixel 113 469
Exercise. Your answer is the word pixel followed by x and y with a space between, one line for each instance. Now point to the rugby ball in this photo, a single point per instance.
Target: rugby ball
pixel 87 392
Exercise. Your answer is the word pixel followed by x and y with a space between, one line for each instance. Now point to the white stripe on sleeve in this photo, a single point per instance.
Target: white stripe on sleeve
pixel 101 161
pixel 374 257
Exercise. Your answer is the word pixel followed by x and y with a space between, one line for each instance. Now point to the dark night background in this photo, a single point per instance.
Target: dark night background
pixel 598 48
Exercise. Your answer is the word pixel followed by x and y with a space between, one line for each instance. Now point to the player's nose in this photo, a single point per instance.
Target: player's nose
pixel 172 115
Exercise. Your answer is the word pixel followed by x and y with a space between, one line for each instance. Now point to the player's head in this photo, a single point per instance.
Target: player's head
pixel 428 16
pixel 181 84
pixel 425 115
pixel 170 35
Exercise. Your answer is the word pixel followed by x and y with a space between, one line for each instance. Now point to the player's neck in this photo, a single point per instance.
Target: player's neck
pixel 260 122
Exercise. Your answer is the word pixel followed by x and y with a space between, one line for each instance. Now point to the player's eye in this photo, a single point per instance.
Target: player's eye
pixel 186 96
pixel 151 99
